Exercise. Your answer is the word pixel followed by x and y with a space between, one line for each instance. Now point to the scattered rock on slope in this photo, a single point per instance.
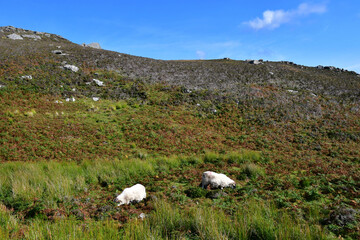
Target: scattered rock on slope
pixel 33 36
pixel 92 45
pixel 71 67
pixel 15 36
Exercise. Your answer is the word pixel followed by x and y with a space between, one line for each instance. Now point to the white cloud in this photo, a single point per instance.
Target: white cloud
pixel 273 19
pixel 200 54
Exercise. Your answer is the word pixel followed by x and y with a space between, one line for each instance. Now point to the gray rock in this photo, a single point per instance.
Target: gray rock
pixel 27 77
pixel 98 82
pixel 215 194
pixel 35 37
pixel 292 91
pixel 92 45
pixel 9 28
pixel 71 67
pixel 255 62
pixel 342 216
pixel 320 67
pixel 15 36
pixel 59 52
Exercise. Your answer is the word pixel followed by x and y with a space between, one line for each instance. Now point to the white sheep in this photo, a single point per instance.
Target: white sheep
pixel 135 193
pixel 216 180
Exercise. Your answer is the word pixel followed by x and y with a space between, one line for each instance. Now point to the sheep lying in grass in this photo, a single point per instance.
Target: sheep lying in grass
pixel 216 180
pixel 135 193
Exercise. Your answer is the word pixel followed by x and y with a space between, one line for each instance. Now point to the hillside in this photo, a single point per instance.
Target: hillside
pixel 79 124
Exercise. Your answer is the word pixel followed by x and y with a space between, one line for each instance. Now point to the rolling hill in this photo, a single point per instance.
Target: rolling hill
pixel 78 124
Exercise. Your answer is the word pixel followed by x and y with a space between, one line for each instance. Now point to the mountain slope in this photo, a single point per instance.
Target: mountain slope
pixel 79 124
pixel 227 76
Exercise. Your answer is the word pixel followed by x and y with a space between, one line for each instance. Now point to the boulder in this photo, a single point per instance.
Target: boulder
pixel 255 62
pixel 292 91
pixel 15 36
pixel 342 216
pixel 35 37
pixel 92 45
pixel 9 28
pixel 98 82
pixel 59 52
pixel 71 67
pixel 27 77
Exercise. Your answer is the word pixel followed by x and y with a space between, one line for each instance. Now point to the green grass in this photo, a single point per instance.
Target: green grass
pixel 251 220
pixel 295 157
pixel 42 200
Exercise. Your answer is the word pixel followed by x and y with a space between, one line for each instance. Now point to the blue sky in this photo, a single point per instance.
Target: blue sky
pixel 319 32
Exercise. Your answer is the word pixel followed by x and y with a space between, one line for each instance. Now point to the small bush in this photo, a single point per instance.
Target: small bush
pixel 244 156
pixel 211 157
pixel 121 105
pixel 195 192
pixel 304 183
pixel 252 170
pixel 312 194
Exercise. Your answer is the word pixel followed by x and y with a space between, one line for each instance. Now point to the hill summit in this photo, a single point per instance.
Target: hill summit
pixel 231 77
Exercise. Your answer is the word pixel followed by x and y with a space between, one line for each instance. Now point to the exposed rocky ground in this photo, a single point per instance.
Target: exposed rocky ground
pixel 222 75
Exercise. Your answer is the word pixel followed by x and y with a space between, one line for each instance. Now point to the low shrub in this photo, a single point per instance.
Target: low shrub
pixel 195 192
pixel 252 170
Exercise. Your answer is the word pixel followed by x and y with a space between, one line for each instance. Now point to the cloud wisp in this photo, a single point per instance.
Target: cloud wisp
pixel 273 19
pixel 200 54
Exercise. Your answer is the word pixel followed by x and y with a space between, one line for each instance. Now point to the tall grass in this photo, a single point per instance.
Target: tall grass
pixel 10 228
pixel 251 220
pixel 24 185
pixel 21 183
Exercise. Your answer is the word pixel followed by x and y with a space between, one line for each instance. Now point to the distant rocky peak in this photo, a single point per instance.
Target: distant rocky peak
pixel 92 45
pixel 14 33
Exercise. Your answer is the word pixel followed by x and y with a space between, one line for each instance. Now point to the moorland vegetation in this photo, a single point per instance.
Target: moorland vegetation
pixel 289 135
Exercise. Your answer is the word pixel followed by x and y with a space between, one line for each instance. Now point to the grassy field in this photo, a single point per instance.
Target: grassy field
pixel 67 200
pixel 64 163
pixel 294 154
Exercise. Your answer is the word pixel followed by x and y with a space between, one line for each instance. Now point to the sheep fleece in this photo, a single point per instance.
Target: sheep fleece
pixel 216 180
pixel 135 193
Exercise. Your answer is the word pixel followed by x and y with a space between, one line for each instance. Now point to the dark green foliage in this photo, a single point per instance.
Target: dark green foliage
pixel 195 192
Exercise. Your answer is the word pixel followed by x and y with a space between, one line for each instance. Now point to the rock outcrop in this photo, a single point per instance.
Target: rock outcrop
pixel 15 36
pixel 92 45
